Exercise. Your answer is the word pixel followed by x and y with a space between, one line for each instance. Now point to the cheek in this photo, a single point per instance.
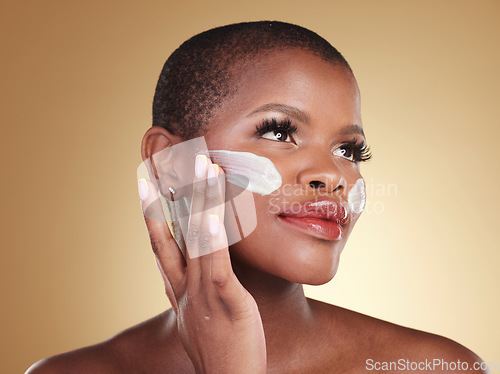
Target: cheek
pixel 248 177
pixel 247 170
pixel 356 198
pixel 265 235
pixel 248 214
pixel 295 257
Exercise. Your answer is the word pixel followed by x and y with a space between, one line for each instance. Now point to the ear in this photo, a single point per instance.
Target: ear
pixel 156 139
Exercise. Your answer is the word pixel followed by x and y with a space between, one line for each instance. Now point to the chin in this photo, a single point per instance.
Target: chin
pixel 314 274
pixel 310 262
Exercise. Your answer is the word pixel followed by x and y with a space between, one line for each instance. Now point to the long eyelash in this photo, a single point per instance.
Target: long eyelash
pixel 273 124
pixel 361 151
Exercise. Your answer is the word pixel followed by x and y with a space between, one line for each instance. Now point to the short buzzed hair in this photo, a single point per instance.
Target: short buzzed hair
pixel 199 75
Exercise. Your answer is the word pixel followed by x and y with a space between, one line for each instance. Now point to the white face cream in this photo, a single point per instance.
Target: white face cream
pixel 247 170
pixel 357 197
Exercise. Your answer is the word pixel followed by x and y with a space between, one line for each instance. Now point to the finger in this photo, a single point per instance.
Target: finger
pixel 222 192
pixel 196 236
pixel 176 226
pixel 238 301
pixel 163 244
pixel 168 288
pixel 214 205
pixel 197 205
pixel 214 197
pixel 227 285
pixel 232 293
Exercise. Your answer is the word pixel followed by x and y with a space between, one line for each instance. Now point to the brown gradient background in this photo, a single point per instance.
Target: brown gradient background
pixel 77 85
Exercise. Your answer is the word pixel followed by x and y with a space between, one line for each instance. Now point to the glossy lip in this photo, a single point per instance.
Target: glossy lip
pixel 320 218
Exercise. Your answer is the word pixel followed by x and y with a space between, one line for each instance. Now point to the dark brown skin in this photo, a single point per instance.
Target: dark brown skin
pixel 301 335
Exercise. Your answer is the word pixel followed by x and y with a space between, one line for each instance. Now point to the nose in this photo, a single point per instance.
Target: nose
pixel 323 177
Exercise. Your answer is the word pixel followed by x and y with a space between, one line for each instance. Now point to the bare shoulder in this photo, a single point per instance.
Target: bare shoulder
pixel 97 358
pixel 148 347
pixel 414 350
pixel 377 345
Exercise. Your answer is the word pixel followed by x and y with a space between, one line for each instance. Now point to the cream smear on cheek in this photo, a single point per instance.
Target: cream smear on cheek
pixel 259 175
pixel 357 197
pixel 247 170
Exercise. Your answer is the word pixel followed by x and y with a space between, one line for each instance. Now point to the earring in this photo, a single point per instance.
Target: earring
pixel 172 191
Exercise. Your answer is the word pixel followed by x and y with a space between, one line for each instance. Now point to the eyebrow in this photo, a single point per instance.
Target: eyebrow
pixel 302 116
pixel 285 109
pixel 352 129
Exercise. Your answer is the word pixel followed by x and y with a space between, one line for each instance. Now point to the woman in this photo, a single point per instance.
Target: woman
pixel 280 93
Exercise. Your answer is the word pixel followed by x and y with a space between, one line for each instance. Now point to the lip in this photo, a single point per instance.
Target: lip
pixel 320 218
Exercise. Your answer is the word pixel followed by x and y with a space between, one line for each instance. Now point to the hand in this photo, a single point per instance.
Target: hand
pixel 217 318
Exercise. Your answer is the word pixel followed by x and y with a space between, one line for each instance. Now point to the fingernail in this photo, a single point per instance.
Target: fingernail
pixel 143 189
pixel 200 166
pixel 212 174
pixel 213 224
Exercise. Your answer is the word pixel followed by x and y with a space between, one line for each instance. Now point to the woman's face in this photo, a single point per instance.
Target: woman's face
pixel 294 88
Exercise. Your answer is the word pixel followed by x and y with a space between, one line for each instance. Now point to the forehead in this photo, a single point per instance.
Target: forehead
pixel 295 78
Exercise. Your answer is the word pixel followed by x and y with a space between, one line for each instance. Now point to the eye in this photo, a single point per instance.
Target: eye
pixel 345 151
pixel 279 135
pixel 353 151
pixel 277 131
